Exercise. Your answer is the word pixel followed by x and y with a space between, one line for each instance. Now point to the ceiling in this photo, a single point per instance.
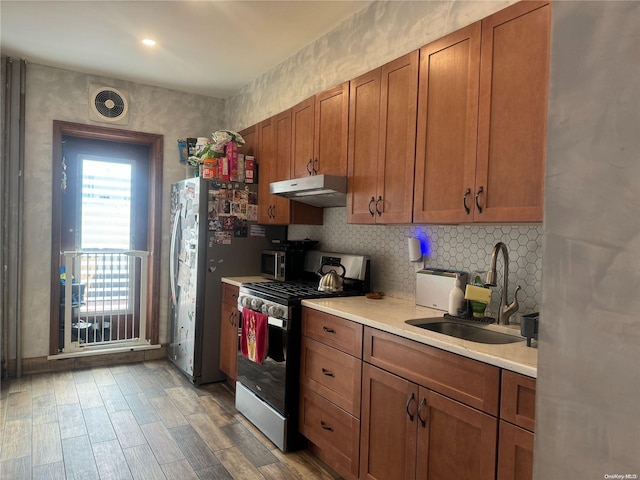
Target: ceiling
pixel 204 47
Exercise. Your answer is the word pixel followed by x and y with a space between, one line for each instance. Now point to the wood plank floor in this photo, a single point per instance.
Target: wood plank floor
pixel 136 421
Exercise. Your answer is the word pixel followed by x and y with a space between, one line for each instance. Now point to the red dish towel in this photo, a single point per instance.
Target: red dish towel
pixel 253 340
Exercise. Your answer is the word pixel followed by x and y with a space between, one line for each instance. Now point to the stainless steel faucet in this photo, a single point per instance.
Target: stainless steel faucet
pixel 506 310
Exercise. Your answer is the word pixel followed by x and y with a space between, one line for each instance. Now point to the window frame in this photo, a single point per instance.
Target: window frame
pixel 154 233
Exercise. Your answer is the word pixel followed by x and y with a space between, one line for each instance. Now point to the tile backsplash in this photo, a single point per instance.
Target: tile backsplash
pixel 459 247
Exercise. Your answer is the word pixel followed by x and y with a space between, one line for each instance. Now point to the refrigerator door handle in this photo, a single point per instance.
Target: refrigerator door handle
pixel 172 266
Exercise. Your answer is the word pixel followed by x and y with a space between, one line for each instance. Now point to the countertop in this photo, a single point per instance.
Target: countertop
pixel 238 281
pixel 389 315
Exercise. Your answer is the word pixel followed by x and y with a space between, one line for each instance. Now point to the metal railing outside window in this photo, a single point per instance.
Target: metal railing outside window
pixel 106 305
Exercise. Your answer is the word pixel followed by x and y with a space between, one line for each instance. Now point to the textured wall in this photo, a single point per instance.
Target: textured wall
pixel 372 37
pixel 54 94
pixel 589 371
pixel 459 247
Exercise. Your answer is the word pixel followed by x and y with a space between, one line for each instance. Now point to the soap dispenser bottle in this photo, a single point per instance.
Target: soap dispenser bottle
pixel 456 297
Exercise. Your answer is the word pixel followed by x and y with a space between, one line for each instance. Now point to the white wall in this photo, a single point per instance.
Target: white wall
pixel 588 396
pixel 54 94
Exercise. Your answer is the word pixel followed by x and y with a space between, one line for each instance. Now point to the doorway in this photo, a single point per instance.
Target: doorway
pixel 106 197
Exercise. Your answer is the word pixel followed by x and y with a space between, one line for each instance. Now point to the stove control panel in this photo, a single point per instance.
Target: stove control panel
pixel 272 309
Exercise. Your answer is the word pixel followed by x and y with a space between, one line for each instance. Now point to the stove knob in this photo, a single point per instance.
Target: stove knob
pixel 256 303
pixel 275 311
pixel 244 301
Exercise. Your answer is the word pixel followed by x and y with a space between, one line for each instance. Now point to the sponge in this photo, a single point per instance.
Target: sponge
pixel 478 294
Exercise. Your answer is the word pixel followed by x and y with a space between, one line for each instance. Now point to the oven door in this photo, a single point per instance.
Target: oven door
pixel 268 380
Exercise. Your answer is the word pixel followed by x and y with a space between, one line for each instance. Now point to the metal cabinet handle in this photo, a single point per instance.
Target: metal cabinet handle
pixel 325 426
pixel 315 166
pixel 328 373
pixel 480 190
pixel 377 202
pixel 310 167
pixel 422 404
pixel 411 398
pixel 328 330
pixel 370 202
pixel 464 201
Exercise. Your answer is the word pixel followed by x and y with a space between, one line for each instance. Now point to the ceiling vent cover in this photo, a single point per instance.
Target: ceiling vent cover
pixel 109 105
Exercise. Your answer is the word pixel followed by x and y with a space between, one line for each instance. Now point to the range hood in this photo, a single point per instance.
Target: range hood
pixel 317 190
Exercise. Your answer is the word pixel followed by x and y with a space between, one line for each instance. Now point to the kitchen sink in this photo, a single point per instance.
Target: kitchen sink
pixel 464 331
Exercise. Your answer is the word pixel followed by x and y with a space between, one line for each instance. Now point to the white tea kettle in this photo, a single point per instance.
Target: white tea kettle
pixel 331 281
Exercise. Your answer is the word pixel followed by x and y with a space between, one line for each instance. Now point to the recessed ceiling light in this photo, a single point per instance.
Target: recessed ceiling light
pixel 148 42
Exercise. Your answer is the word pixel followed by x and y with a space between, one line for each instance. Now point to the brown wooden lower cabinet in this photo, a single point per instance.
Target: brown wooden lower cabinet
pixel 408 431
pixel 230 321
pixel 515 458
pixel 334 432
pixel 517 423
pixel 388 432
pixel 330 378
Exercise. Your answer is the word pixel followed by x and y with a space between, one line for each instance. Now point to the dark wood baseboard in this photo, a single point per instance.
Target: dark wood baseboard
pixel 43 364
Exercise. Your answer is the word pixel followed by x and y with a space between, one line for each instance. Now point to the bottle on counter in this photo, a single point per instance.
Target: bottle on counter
pixel 456 298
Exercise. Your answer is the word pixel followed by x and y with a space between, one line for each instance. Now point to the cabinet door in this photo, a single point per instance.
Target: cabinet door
pixel 302 133
pixel 331 131
pixel 282 165
pixel 397 140
pixel 275 157
pixel 454 440
pixel 250 136
pixel 515 458
pixel 514 79
pixel 388 426
pixel 266 161
pixel 447 128
pixel 364 122
pixel 229 341
pixel 518 400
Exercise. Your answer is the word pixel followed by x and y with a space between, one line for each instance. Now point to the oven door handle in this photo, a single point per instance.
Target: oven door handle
pixel 280 323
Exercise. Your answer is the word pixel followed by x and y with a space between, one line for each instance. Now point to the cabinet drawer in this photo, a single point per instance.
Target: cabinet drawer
pixel 471 382
pixel 337 332
pixel 331 373
pixel 333 431
pixel 230 293
pixel 518 399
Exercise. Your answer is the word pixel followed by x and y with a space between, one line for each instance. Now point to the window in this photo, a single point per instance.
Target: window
pixel 106 197
pixel 106 193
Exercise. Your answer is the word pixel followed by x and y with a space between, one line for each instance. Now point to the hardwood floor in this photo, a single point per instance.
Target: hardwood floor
pixel 135 421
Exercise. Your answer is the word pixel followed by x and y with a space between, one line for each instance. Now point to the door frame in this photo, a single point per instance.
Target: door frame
pixel 154 236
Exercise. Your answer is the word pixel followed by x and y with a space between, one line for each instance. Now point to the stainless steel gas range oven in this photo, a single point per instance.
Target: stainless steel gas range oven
pixel 267 393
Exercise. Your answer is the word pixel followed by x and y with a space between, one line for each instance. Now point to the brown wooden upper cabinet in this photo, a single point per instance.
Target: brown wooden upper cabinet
pixel 274 165
pixel 382 134
pixel 251 141
pixel 482 108
pixel 319 134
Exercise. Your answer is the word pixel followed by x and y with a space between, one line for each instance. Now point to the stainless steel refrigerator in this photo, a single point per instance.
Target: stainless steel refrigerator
pixel 214 234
